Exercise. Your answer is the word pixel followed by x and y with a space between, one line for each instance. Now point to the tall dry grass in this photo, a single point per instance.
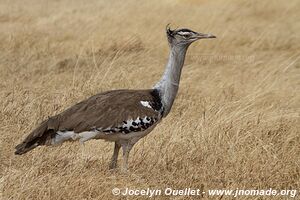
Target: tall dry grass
pixel 235 122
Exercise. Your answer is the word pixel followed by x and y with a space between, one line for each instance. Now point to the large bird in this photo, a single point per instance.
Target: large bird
pixel 120 116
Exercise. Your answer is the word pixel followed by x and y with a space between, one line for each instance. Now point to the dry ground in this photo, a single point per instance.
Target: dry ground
pixel 235 122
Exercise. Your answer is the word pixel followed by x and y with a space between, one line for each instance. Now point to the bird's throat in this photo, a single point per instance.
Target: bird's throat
pixel 169 83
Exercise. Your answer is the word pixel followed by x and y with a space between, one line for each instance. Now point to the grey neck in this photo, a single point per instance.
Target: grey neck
pixel 169 83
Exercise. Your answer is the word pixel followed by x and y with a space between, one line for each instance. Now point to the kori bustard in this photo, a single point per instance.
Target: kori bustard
pixel 120 116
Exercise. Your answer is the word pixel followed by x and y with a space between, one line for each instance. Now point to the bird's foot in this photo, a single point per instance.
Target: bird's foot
pixel 113 165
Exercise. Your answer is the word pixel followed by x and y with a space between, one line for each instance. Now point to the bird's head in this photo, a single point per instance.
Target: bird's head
pixel 184 37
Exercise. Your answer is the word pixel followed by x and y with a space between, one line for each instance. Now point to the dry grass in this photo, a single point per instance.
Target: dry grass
pixel 235 122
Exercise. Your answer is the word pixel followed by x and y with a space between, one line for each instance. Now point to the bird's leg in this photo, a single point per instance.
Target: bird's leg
pixel 114 158
pixel 126 149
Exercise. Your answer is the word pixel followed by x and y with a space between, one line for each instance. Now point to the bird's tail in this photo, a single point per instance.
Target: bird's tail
pixel 42 135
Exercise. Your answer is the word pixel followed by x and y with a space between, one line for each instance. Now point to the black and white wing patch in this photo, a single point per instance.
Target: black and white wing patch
pixel 119 111
pixel 132 125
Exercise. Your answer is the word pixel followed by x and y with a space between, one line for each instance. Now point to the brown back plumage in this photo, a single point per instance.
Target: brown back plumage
pixel 104 110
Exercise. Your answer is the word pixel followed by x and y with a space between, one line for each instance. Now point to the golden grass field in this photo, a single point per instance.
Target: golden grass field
pixel 235 122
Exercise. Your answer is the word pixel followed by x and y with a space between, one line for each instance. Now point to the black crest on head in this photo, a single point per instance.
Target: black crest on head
pixel 169 32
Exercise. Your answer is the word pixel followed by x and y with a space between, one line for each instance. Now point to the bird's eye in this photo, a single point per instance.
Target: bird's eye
pixel 185 35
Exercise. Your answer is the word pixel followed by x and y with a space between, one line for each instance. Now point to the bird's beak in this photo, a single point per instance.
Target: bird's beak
pixel 204 36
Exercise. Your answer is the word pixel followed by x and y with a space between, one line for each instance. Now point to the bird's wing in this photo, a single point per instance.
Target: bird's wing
pixel 105 111
pixel 113 111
